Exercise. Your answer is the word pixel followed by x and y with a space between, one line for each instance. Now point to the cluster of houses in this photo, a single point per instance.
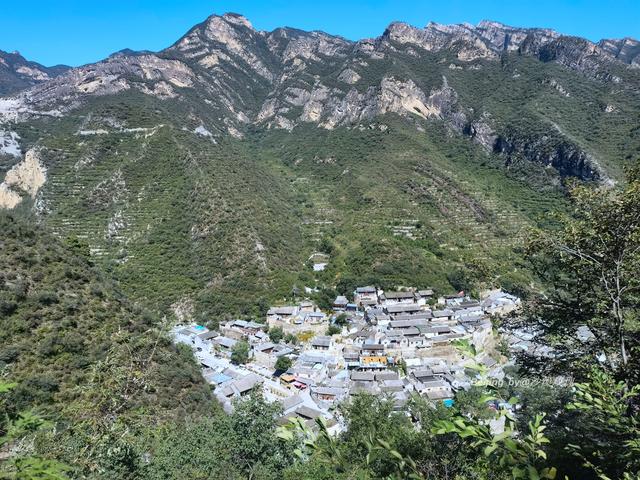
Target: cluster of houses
pixel 396 344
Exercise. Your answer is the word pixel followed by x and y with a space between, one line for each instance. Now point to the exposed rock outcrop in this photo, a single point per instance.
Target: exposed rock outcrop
pixel 567 158
pixel 26 176
pixel 626 50
pixel 349 76
pixel 333 107
pixel 482 132
pixel 9 143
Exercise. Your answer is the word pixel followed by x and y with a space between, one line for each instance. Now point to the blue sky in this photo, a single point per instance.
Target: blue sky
pixel 76 32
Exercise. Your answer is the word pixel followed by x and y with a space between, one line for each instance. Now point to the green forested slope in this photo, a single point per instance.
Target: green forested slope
pixel 227 224
pixel 66 328
pixel 195 196
pixel 186 194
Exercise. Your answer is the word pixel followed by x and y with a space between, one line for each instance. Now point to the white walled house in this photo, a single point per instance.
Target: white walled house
pixel 394 298
pixel 365 296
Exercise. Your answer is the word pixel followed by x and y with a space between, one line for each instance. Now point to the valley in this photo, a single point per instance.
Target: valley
pixel 288 254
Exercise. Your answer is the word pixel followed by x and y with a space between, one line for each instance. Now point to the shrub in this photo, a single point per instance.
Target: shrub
pixel 283 363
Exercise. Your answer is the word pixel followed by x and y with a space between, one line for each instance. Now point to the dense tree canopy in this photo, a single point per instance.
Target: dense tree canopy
pixel 591 268
pixel 240 352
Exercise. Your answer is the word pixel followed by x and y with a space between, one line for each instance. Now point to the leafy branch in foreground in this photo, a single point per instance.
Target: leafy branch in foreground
pixel 321 443
pixel 324 447
pixel 522 455
pixel 608 427
pixel 15 466
pixel 591 266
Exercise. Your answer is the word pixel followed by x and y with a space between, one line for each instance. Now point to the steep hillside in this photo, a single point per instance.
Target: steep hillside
pixel 65 329
pixel 208 173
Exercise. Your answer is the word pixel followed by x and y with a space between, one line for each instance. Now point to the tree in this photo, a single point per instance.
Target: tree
pixel 291 338
pixel 79 248
pixel 476 273
pixel 324 298
pixel 341 320
pixel 460 279
pixel 326 246
pixel 195 448
pixel 333 330
pixel 252 440
pixel 520 453
pixel 591 264
pixel 218 446
pixel 240 352
pixel 276 334
pixel 262 307
pixel 18 426
pixel 283 363
pixel 381 443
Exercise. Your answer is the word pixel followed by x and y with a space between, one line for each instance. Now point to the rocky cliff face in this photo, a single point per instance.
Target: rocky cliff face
pixel 563 156
pixel 223 47
pixel 626 50
pixel 490 39
pixel 148 73
pixel 26 177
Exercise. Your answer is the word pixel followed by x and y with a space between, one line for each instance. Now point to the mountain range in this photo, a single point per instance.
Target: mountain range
pixel 206 175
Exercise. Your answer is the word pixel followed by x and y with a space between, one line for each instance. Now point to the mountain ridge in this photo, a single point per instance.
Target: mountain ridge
pixel 625 47
pixel 230 48
pixel 496 34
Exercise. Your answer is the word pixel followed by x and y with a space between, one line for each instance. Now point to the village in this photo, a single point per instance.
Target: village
pixel 387 343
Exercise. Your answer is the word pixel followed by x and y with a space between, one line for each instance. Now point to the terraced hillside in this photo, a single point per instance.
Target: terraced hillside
pixel 175 215
pixel 207 174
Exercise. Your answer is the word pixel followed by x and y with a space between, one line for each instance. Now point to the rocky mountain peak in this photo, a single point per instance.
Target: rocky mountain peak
pixel 231 30
pixel 445 124
pixel 492 25
pixel 462 28
pixel 486 24
pixel 227 28
pixel 237 19
pixel 490 38
pixel 402 32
